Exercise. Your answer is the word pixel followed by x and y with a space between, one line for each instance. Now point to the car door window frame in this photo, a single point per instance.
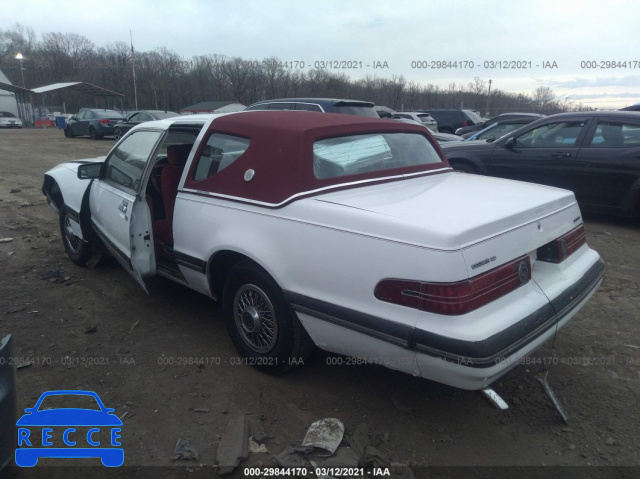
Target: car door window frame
pixel 604 120
pixel 149 162
pixel 579 137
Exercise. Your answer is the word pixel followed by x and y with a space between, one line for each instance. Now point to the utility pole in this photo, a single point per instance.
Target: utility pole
pixel 133 69
pixel 486 113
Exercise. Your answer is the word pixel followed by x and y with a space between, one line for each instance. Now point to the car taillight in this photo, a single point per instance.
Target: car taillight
pixel 104 122
pixel 561 248
pixel 456 298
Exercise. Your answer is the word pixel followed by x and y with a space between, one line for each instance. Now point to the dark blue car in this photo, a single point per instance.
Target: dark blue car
pixel 92 122
pixel 36 432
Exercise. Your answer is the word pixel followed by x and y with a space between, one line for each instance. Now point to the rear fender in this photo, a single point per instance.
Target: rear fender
pixel 457 158
pixel 631 203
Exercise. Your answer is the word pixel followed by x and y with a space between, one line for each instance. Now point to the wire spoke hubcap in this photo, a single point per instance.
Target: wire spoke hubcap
pixel 72 240
pixel 255 318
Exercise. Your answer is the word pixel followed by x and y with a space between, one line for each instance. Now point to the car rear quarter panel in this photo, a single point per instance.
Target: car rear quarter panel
pixel 319 251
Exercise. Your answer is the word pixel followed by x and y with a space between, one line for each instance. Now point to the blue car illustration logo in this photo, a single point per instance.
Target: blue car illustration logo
pixel 69 432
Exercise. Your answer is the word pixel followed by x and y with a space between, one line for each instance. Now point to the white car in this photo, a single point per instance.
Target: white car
pixel 421 117
pixel 349 233
pixel 9 120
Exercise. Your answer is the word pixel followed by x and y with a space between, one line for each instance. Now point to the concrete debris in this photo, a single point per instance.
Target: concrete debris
pixel 255 447
pixel 325 434
pixel 234 445
pixel 184 451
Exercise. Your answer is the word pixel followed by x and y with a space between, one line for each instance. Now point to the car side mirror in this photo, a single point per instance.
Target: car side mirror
pixel 90 171
pixel 509 144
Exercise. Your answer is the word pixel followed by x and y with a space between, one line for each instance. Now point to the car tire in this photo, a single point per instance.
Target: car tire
pixel 68 133
pixel 262 325
pixel 94 134
pixel 76 248
pixel 118 134
pixel 464 167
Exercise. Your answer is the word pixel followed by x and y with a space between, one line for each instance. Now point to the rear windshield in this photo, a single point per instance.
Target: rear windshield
pixel 107 114
pixel 356 110
pixel 347 155
pixel 160 115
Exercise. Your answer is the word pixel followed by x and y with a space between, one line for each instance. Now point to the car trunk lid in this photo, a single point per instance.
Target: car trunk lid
pixel 487 218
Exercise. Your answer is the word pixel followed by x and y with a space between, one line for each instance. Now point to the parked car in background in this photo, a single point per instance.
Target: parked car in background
pixel 326 105
pixel 467 131
pixel 594 154
pixel 92 122
pixel 499 129
pixel 424 118
pixel 634 107
pixel 384 111
pixel 440 137
pixel 137 117
pixel 449 120
pixel 312 229
pixel 9 120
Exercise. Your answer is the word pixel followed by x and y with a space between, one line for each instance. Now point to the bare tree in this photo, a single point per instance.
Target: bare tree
pixel 542 98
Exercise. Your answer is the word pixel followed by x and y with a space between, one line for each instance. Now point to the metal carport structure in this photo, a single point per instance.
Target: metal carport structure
pixel 82 87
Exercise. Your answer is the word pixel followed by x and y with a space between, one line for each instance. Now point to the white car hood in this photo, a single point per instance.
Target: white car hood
pixel 455 210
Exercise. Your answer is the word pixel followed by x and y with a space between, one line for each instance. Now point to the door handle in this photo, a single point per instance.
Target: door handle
pixel 561 155
pixel 123 206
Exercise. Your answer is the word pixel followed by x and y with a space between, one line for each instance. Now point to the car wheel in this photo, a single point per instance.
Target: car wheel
pixel 118 134
pixel 68 133
pixel 76 248
pixel 94 134
pixel 465 168
pixel 261 324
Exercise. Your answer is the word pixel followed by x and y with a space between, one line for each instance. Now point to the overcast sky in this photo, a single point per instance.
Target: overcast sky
pixel 391 34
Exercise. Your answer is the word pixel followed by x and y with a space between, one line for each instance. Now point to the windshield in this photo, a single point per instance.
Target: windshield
pixel 6 114
pixel 354 154
pixel 496 131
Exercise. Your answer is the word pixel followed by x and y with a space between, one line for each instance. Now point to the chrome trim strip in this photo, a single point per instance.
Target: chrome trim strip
pixel 310 192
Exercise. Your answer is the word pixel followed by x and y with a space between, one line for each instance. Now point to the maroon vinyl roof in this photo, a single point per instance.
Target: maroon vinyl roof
pixel 281 153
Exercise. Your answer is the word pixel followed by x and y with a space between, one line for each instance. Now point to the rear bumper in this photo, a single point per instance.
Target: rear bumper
pixel 462 363
pixel 486 361
pixel 499 347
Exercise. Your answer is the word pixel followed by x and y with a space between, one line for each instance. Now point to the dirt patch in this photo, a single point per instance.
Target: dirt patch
pixel 165 363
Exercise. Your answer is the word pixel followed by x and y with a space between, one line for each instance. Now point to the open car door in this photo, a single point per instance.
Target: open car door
pixel 120 214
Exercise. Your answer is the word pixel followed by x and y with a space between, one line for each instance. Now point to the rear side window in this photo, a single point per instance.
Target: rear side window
pixel 220 151
pixel 610 134
pixel 280 106
pixel 308 107
pixel 347 155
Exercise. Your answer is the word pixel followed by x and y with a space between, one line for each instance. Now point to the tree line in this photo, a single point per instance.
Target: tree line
pixel 167 81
